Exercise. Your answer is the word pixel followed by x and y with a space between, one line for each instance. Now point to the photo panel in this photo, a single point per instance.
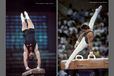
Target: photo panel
pixel 83 37
pixel 31 37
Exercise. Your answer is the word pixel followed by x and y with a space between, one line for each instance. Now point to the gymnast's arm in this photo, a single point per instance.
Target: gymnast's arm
pixel 25 57
pixel 79 39
pixel 37 56
pixel 90 37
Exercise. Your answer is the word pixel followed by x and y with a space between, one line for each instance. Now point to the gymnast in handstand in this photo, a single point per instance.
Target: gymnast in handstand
pixel 30 45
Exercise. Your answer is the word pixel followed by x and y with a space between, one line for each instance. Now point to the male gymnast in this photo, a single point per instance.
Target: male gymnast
pixel 30 45
pixel 88 34
pixel 85 39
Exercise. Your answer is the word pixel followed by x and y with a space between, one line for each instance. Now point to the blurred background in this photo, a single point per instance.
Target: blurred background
pixel 43 15
pixel 73 13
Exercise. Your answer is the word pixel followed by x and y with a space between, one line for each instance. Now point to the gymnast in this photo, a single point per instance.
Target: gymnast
pixel 88 34
pixel 30 45
pixel 85 39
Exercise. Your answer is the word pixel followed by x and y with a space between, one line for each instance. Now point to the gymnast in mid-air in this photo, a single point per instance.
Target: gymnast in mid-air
pixel 30 45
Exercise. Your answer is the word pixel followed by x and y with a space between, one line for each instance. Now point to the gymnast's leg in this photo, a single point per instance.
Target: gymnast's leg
pixel 30 24
pixel 25 53
pixel 37 56
pixel 79 48
pixel 24 27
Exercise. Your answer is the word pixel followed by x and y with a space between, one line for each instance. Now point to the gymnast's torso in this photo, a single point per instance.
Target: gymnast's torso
pixel 85 35
pixel 29 38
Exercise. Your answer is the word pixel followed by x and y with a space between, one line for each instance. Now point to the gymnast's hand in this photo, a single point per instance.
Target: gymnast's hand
pixel 76 44
pixel 91 54
pixel 27 68
pixel 38 67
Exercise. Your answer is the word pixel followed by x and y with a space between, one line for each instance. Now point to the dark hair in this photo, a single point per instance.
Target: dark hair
pixel 84 26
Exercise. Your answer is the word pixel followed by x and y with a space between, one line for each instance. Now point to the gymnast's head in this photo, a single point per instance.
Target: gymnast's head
pixel 31 54
pixel 84 27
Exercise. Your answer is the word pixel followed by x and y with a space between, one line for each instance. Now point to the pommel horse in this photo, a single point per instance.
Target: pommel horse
pixel 90 63
pixel 34 72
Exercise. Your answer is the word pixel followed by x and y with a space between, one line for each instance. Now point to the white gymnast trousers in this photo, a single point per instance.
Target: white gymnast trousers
pixel 83 43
